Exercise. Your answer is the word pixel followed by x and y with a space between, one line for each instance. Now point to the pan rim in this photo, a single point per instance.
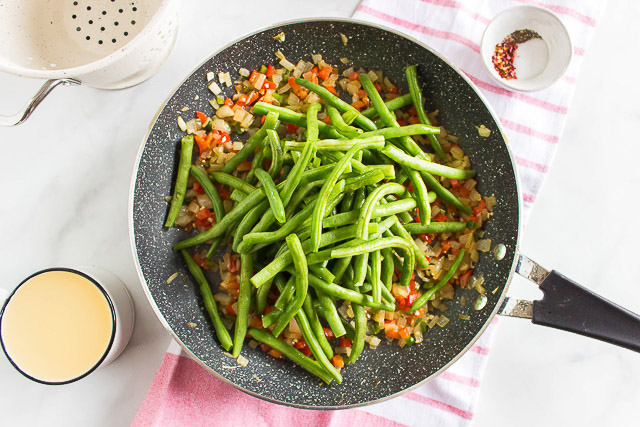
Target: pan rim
pixel 161 317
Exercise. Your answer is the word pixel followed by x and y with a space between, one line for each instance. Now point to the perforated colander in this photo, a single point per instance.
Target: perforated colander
pixel 108 44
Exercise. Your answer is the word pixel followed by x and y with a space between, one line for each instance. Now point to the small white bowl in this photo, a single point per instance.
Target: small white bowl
pixel 539 63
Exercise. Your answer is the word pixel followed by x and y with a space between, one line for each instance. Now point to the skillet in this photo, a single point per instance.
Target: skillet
pixel 387 371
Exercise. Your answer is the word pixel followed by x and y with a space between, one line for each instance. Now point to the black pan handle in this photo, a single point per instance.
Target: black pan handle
pixel 571 307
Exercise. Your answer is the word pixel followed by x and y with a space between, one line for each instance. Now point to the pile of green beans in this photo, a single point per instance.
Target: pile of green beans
pixel 328 222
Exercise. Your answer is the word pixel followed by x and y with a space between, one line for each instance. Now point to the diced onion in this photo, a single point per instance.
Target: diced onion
pixel 213 87
pixel 225 111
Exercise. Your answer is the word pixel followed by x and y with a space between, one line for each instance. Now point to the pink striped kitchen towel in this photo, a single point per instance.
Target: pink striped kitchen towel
pixel 183 393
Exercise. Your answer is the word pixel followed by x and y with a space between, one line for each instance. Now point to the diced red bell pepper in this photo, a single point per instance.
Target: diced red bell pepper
pixel 345 342
pixel 198 188
pixel 328 333
pixel 332 90
pixel 270 71
pixel 464 278
pixel 337 361
pixel 202 117
pixel 325 72
pixel 440 218
pixel 269 85
pixel 291 127
pixel 353 76
pixel 254 76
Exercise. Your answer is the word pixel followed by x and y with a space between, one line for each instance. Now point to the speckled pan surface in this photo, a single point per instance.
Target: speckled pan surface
pixel 388 370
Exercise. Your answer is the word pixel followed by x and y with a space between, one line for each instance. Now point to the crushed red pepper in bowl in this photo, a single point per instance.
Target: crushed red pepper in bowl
pixel 505 52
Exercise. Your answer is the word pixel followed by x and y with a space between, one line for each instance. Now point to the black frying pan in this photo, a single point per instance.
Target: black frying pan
pixel 388 370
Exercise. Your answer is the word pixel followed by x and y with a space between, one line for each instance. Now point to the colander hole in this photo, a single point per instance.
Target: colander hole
pixel 104 12
pixel 120 10
pixel 78 28
pixel 88 37
pixel 134 8
pixel 90 21
pixel 88 7
pixel 126 33
pixel 102 28
pixel 133 22
pixel 74 16
pixel 100 42
pixel 75 3
pixel 116 23
pixel 113 40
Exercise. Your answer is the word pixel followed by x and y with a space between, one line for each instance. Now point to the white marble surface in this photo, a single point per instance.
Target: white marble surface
pixel 65 178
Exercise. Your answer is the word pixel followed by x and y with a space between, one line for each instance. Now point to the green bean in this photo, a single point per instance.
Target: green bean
pixel 237 195
pixel 338 122
pixel 182 177
pixel 340 267
pixel 336 102
pixel 354 296
pixel 424 298
pixel 360 263
pixel 232 181
pixel 283 259
pixel 319 209
pixel 349 116
pixel 274 236
pixel 315 329
pixel 301 280
pixel 400 231
pixel 248 222
pixel 370 246
pixel 272 195
pixel 394 104
pixel 399 132
pixel 376 142
pixel 445 194
pixel 270 318
pixel 209 303
pixel 271 122
pixel 256 163
pixel 292 353
pixel 289 116
pixel 321 272
pixel 286 294
pixel 379 211
pixel 389 171
pixel 261 297
pixel 201 177
pixel 425 166
pixel 360 328
pixel 276 153
pixel 312 121
pixel 376 291
pixel 331 314
pixel 439 227
pixel 422 197
pixel 356 165
pixel 218 207
pixel 244 303
pixel 314 341
pixel 386 273
pixel 295 178
pixel 416 97
pixel 370 203
pixel 346 205
pixel 431 196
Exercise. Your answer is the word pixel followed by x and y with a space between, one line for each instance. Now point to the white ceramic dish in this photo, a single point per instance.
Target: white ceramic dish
pixel 103 44
pixel 539 63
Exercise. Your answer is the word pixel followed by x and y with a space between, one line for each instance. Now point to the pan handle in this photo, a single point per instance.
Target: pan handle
pixel 24 114
pixel 568 306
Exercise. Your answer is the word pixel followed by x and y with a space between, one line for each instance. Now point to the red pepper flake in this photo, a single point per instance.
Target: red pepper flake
pixel 505 52
pixel 503 56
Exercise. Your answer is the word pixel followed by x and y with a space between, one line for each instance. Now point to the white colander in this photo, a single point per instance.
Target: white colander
pixel 106 44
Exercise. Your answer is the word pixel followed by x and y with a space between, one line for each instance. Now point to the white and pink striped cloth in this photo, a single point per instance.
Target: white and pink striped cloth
pixel 183 393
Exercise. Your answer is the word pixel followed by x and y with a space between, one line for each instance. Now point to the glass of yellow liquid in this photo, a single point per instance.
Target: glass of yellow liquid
pixel 61 324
